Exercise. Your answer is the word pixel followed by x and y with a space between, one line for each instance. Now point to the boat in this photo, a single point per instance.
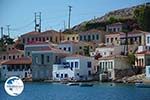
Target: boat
pixel 73 84
pixel 85 85
pixel 142 85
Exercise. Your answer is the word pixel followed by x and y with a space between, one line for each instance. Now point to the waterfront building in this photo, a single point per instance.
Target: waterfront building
pixel 110 66
pixel 70 37
pixel 95 36
pixel 82 48
pixel 50 35
pixel 147 72
pixel 74 67
pixel 142 60
pixel 112 38
pixel 11 54
pixel 134 37
pixel 107 50
pixel 35 46
pixel 20 67
pixel 43 60
pixel 115 27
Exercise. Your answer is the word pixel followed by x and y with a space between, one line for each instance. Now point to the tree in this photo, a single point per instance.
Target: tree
pixel 131 58
pixel 4 41
pixel 142 15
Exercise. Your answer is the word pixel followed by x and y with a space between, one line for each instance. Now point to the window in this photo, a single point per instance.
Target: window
pixel 66 75
pixel 93 37
pixel 65 48
pixel 73 38
pixel 84 38
pixel 28 53
pixel 68 38
pixel 36 39
pixel 61 75
pixel 77 74
pixel 9 57
pixel 89 38
pixel 80 47
pixel 97 37
pixel 48 60
pixel 57 75
pixel 28 39
pixel 76 64
pixel 69 49
pixel 71 64
pixel 4 57
pixel 59 48
pixel 43 39
pixel 56 39
pixel 89 72
pixel 13 56
pixel 42 59
pixel 39 39
pixel 107 40
pixel 89 64
pixel 3 67
pixel 81 38
pixel 51 39
pixel 111 39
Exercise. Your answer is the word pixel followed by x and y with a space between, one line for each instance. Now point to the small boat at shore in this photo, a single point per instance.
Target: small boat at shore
pixel 142 85
pixel 73 84
pixel 85 84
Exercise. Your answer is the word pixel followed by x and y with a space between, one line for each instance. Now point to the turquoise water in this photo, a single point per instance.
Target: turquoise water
pixel 49 91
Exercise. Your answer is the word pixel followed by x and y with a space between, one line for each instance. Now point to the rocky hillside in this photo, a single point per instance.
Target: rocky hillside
pixel 126 13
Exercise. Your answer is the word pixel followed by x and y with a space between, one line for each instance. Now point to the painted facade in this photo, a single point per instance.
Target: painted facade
pixel 20 67
pixel 74 67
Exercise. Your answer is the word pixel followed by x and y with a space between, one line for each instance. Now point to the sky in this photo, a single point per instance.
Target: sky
pixel 19 14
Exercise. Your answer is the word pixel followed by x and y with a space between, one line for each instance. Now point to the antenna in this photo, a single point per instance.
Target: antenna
pixel 37 21
pixel 70 8
pixel 8 30
pixel 2 30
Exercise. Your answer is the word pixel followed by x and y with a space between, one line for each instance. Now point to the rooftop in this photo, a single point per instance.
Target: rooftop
pixel 18 61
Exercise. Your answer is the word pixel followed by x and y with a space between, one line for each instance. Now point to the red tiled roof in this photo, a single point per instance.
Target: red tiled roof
pixel 114 24
pixel 18 61
pixel 40 33
pixel 12 51
pixel 36 43
pixel 92 31
pixel 68 42
pixel 112 57
pixel 143 52
pixel 53 49
pixel 137 32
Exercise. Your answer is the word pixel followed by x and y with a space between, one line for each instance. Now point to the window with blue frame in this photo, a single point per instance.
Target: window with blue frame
pixel 57 75
pixel 148 70
pixel 76 64
pixel 89 64
pixel 71 65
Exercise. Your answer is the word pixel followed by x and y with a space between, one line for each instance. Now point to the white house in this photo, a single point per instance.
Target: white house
pixel 74 67
pixel 148 72
pixel 20 67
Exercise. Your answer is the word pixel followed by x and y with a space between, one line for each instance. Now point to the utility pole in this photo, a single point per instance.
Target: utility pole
pixel 8 30
pixel 64 25
pixel 60 35
pixel 2 31
pixel 38 22
pixel 70 8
